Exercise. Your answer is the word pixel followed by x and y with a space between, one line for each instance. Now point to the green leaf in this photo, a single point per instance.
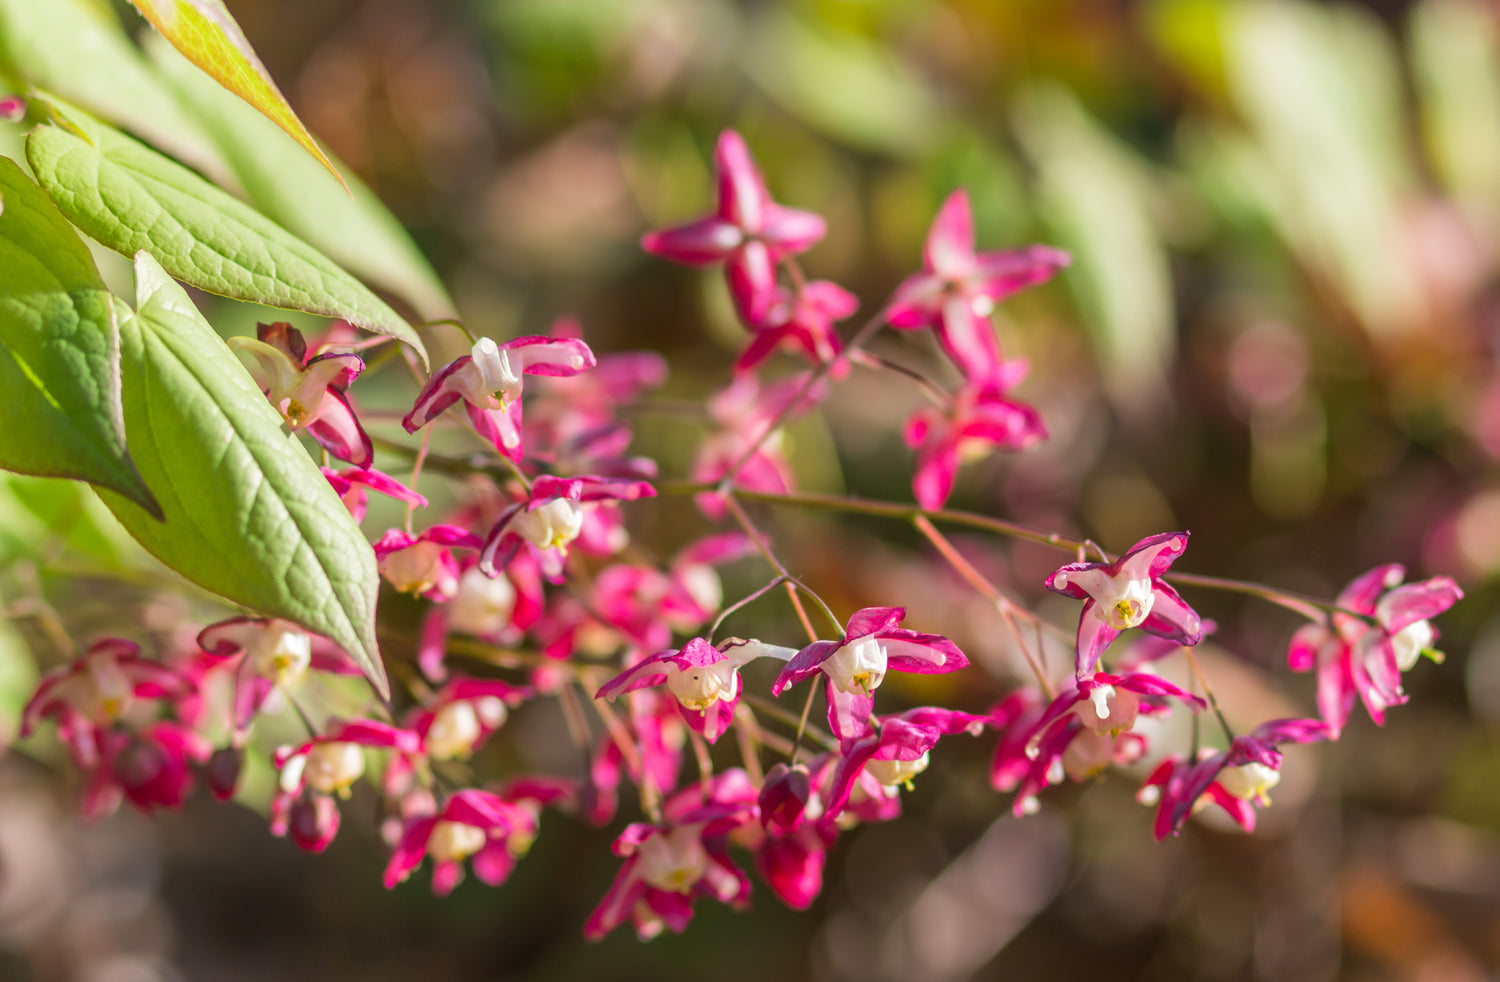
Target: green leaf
pixel 59 350
pixel 77 49
pixel 204 31
pixel 283 182
pixel 248 515
pixel 132 199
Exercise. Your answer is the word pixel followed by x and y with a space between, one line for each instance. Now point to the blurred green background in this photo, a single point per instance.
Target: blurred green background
pixel 1280 331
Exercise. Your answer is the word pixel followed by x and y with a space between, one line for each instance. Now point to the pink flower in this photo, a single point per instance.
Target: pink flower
pixel 1231 779
pixel 151 768
pixel 802 322
pixel 1126 593
pixel 792 864
pixel 489 381
pixel 496 609
pixel 897 752
pixel 670 865
pixel 657 758
pixel 648 604
pixel 271 654
pixel 957 289
pixel 325 766
pixel 309 392
pixel 1354 658
pixel 351 483
pixel 424 564
pixel 463 714
pixel 747 231
pixel 1082 731
pixel 551 518
pixel 703 678
pixel 473 825
pixel 855 665
pixel 979 418
pixel 97 689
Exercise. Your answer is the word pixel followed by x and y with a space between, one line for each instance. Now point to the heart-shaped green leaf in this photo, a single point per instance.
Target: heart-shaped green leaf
pixel 204 31
pixel 132 199
pixel 59 350
pixel 351 226
pixel 248 515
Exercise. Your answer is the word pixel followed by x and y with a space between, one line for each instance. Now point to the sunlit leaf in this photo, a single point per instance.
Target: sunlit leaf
pixel 131 198
pixel 77 49
pixel 356 231
pixel 204 31
pixel 59 350
pixel 248 514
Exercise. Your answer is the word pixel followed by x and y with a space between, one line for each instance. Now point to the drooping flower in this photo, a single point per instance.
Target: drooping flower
pixel 855 665
pixel 980 418
pixel 424 564
pixel 1086 728
pixel 1126 593
pixel 897 751
pixel 151 768
pixel 489 381
pixel 746 410
pixel 463 714
pixel 1233 779
pixel 702 677
pixel 312 774
pixel 271 654
pixel 668 866
pixel 747 231
pixel 1354 658
pixel 309 392
pixel 97 689
pixel 475 826
pixel 957 288
pixel 551 518
pixel 647 604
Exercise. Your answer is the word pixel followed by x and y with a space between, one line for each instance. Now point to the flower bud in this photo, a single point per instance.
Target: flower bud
pixel 784 797
pixel 223 771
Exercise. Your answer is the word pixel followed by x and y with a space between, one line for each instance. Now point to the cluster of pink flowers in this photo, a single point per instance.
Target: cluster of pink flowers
pixel 538 571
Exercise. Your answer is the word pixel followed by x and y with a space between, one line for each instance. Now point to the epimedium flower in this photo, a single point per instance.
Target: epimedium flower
pixel 669 865
pixel 1085 729
pixel 958 289
pixel 352 483
pixel 703 678
pixel 980 418
pixel 424 564
pixel 312 774
pixel 463 714
pixel 553 515
pixel 747 231
pixel 489 382
pixel 647 604
pixel 271 653
pixel 800 321
pixel 897 751
pixel 1357 659
pixel 97 689
pixel 1126 593
pixel 856 664
pixel 476 826
pixel 309 392
pixel 1233 779
pixel 496 609
pixel 745 410
pixel 151 768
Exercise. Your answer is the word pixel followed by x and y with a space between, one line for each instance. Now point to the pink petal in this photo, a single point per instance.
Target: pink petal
pixel 950 242
pixel 698 243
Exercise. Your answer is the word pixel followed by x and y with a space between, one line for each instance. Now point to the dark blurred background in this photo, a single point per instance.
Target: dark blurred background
pixel 1280 331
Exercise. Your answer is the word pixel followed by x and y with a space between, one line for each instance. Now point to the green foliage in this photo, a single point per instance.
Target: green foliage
pixel 207 34
pixel 248 515
pixel 351 226
pixel 131 199
pixel 59 350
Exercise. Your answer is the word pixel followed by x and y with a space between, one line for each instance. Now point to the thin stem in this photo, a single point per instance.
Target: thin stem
pixel 416 471
pixel 747 734
pixel 740 516
pixel 620 734
pixel 714 629
pixel 705 763
pixel 451 322
pixel 987 590
pixel 771 709
pixel 812 692
pixel 1310 607
pixel 930 389
pixel 578 728
pixel 1208 693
